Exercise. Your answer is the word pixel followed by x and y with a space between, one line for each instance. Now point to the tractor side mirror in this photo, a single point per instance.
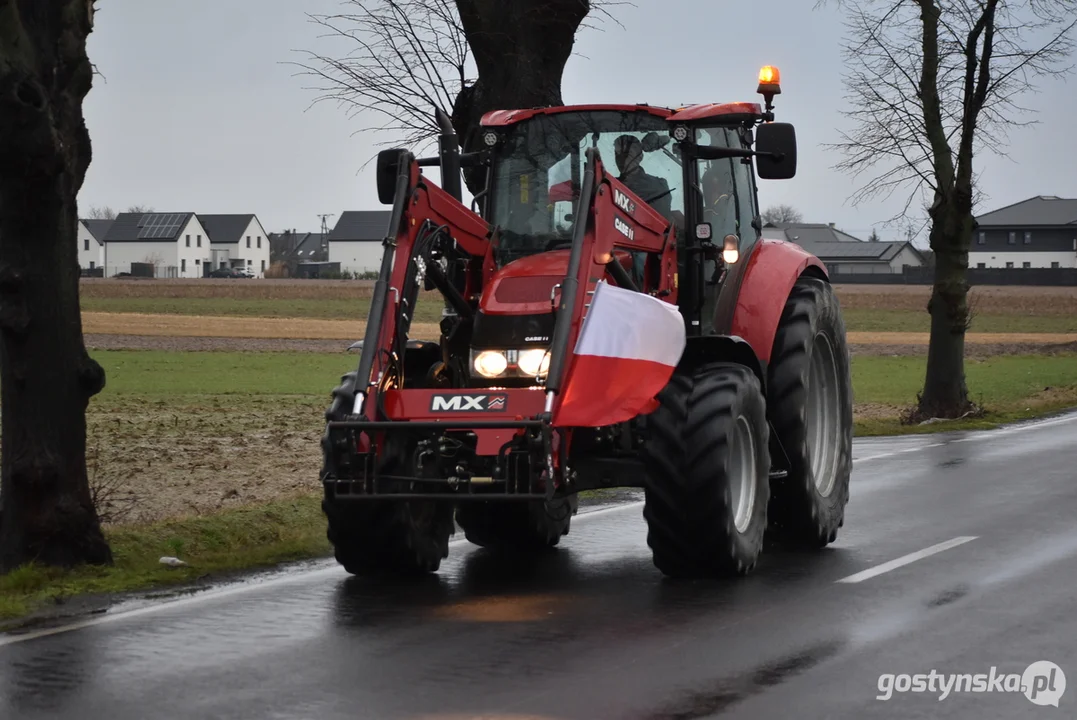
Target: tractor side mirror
pixel 776 148
pixel 388 167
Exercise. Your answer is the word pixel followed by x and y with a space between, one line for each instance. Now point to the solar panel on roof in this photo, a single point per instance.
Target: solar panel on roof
pixel 160 226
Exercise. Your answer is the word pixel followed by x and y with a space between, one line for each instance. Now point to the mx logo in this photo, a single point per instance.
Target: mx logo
pixel 468 403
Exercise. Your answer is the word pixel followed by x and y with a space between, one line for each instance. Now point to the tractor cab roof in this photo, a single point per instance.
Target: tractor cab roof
pixel 727 112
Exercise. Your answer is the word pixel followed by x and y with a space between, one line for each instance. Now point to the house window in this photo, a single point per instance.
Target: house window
pixel 188 241
pixel 1028 237
pixel 248 241
pixel 981 266
pixel 183 265
pixel 1009 264
pixel 259 242
pixel 86 245
pixel 91 265
pixel 1013 238
pixel 263 266
pixel 197 262
pixel 199 241
pixel 983 238
pixel 1026 264
pixel 1053 265
pixel 249 263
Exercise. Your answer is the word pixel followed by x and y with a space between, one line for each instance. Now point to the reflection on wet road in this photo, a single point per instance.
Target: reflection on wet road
pixel 593 631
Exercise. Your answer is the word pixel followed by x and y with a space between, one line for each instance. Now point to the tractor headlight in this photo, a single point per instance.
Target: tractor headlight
pixel 528 363
pixel 490 363
pixel 534 363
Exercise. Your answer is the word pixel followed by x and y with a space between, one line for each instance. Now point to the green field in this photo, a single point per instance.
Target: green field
pixel 429 310
pixel 321 309
pixel 887 380
pixel 869 320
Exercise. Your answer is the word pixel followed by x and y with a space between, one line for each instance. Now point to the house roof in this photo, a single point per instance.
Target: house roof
pixel 310 247
pixel 98 228
pixel 814 232
pixel 859 251
pixel 226 228
pixel 361 225
pixel 148 227
pixel 1040 210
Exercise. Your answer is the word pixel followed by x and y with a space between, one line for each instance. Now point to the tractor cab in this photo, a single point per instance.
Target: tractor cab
pixel 692 165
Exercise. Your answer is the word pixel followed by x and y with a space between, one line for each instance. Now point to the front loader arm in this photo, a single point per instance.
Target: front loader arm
pixel 421 213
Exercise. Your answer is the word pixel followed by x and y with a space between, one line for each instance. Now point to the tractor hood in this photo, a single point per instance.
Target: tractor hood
pixel 526 286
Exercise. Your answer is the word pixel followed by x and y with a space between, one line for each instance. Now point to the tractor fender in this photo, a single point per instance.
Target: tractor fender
pixel 772 271
pixel 702 349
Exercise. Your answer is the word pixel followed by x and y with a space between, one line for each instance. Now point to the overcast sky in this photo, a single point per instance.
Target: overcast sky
pixel 198 110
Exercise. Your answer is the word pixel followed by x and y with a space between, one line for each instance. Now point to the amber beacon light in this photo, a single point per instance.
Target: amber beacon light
pixel 770 81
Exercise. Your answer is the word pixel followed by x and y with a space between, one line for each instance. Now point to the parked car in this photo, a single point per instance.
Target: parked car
pixel 228 273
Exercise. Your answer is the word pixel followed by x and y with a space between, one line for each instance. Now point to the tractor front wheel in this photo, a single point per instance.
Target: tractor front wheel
pixel 810 406
pixel 707 473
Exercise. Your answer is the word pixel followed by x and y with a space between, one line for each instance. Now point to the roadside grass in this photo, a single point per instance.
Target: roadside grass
pixel 216 393
pixel 1008 387
pixel 428 310
pixel 238 539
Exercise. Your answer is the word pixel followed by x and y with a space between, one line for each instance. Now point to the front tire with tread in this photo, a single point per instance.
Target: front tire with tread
pixel 690 457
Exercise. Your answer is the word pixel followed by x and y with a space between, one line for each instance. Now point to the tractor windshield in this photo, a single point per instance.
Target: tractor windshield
pixel 539 169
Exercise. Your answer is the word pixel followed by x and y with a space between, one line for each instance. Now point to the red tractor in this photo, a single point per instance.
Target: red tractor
pixel 612 318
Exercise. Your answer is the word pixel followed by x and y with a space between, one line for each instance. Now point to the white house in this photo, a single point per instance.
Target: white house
pixel 237 241
pixel 91 240
pixel 176 245
pixel 1040 232
pixel 355 242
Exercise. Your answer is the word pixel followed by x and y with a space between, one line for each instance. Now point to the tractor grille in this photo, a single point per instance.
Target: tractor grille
pixel 525 289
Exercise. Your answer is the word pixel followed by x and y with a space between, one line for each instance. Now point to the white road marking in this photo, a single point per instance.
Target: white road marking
pixel 907 559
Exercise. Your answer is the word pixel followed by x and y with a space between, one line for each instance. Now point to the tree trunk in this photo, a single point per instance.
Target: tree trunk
pixel 945 393
pixel 520 49
pixel 46 376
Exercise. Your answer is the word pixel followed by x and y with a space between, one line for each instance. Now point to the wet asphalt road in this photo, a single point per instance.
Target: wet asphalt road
pixel 593 631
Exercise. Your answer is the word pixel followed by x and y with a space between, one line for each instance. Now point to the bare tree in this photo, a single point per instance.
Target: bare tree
pixel 46 377
pixel 463 56
pixel 932 83
pixel 874 236
pixel 101 213
pixel 140 209
pixel 782 215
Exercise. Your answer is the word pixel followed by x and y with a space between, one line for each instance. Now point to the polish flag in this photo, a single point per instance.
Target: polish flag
pixel 627 351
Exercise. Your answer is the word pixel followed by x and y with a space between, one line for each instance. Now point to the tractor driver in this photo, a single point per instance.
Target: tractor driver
pixel 653 190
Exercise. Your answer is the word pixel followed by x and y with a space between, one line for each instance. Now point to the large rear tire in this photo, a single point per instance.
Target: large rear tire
pixel 810 406
pixel 707 473
pixel 527 526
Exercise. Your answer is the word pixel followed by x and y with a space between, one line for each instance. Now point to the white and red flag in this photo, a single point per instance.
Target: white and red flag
pixel 627 351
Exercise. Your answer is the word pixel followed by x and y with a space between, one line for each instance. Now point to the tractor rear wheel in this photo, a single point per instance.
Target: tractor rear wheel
pixel 707 473
pixel 810 406
pixel 527 526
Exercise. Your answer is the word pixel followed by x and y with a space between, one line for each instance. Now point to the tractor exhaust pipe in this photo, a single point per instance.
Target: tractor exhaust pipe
pixel 449 146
